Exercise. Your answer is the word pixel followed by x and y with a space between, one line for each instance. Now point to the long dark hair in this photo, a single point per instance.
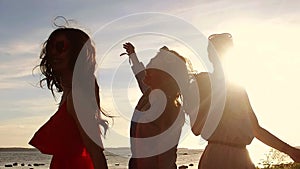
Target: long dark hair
pixel 79 40
pixel 185 65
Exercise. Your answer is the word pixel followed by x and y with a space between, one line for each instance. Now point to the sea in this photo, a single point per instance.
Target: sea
pixel 117 158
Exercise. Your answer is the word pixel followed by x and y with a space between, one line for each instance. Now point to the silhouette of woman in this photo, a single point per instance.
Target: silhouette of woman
pixel 63 135
pixel 238 126
pixel 156 123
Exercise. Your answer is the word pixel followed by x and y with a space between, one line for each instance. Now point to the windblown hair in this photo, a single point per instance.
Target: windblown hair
pixel 77 39
pixel 80 43
pixel 174 85
pixel 186 68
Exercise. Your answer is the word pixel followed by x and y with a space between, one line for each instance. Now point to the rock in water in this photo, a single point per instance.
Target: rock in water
pixel 183 167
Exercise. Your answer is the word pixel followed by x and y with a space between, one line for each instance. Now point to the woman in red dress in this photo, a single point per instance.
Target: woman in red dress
pixel 64 136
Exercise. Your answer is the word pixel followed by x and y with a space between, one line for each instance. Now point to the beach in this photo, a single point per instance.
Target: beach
pixel 117 158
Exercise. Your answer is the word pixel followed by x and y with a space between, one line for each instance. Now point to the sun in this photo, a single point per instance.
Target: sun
pixel 236 66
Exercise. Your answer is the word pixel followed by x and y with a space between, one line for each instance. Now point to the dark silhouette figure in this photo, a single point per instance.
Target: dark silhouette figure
pixel 160 152
pixel 63 135
pixel 238 126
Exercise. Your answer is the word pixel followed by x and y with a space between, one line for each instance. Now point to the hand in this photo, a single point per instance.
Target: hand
pixel 295 155
pixel 129 48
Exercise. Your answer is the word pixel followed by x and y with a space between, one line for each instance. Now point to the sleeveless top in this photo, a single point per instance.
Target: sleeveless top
pixel 167 159
pixel 227 145
pixel 235 127
pixel 59 135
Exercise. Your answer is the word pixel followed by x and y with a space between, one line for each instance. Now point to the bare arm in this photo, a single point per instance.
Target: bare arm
pixel 266 137
pixel 197 125
pixel 204 89
pixel 95 151
pixel 137 66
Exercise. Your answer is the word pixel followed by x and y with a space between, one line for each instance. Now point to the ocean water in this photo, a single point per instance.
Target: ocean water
pixel 28 158
pixel 117 158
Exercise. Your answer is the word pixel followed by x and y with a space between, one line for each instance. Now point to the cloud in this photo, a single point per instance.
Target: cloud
pixel 26 24
pixel 17 132
pixel 19 48
pixel 17 68
pixel 17 62
pixel 17 73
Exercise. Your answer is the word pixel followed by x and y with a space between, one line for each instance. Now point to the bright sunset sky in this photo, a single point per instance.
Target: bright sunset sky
pixel 266 37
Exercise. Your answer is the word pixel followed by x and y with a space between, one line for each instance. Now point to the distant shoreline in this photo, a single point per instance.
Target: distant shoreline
pixel 6 149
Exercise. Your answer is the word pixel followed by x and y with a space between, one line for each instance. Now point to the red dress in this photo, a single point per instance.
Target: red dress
pixel 60 137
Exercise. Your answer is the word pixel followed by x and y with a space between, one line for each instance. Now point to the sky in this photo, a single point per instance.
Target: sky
pixel 265 35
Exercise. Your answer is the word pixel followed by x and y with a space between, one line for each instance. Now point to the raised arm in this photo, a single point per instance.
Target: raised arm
pixel 269 139
pixel 137 67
